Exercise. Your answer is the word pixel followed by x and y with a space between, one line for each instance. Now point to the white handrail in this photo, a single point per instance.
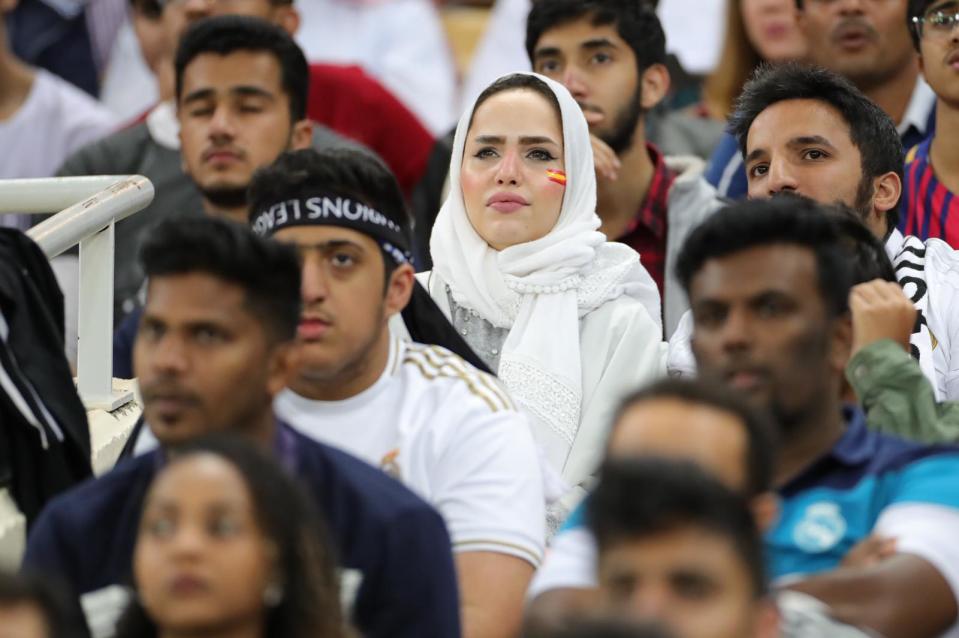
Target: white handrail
pixel 90 222
pixel 117 200
pixel 48 195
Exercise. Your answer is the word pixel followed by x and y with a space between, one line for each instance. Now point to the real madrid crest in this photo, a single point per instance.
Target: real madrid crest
pixel 821 528
pixel 389 465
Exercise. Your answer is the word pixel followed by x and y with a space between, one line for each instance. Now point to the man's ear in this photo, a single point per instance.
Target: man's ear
pixel 284 361
pixel 655 85
pixel 399 289
pixel 765 509
pixel 840 347
pixel 6 6
pixel 302 135
pixel 287 18
pixel 887 189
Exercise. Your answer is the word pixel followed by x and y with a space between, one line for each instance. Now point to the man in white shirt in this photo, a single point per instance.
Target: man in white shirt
pixel 445 429
pixel 811 132
pixel 42 117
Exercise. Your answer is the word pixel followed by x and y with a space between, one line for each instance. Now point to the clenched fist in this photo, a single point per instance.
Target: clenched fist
pixel 880 310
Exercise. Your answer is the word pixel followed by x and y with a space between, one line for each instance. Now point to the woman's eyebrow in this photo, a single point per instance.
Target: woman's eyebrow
pixel 525 140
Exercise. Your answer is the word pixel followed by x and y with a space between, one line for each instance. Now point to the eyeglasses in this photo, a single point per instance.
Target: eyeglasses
pixel 938 23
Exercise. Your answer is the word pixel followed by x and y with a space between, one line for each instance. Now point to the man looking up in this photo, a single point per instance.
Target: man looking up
pixel 768 284
pixel 611 56
pixel 868 43
pixel 214 348
pixel 808 131
pixel 420 413
pixel 932 167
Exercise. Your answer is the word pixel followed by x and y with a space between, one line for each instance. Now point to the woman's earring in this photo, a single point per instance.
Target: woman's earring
pixel 273 594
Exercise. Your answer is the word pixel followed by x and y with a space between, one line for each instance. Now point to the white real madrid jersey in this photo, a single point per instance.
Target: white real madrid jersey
pixel 452 435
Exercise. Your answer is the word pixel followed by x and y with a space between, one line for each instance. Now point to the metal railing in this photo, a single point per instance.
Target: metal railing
pixel 89 208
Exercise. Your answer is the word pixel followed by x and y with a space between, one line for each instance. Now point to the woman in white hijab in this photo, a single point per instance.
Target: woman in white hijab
pixel 569 321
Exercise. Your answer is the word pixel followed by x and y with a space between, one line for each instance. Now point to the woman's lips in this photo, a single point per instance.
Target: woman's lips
pixel 506 206
pixel 188 585
pixel 505 202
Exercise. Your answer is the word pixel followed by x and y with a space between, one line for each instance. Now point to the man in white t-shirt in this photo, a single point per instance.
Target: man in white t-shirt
pixel 421 413
pixel 42 117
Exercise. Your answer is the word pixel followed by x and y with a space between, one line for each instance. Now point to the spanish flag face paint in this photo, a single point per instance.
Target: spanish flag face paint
pixel 556 175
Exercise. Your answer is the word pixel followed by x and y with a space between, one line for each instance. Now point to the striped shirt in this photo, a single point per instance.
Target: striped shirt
pixel 929 209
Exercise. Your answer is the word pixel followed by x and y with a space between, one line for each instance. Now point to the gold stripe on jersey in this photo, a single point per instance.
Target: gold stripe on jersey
pixel 527 553
pixel 457 363
pixel 445 357
pixel 435 374
pixel 435 363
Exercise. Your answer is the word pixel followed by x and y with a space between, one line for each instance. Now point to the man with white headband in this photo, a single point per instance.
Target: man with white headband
pixel 424 415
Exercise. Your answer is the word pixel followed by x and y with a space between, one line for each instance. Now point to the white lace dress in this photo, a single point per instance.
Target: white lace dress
pixel 622 351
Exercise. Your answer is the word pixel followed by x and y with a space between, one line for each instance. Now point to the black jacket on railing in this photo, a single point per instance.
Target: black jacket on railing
pixel 44 437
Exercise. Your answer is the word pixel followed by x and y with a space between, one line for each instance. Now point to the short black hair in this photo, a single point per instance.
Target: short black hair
pixel 635 20
pixel 639 498
pixel 341 172
pixel 223 35
pixel 762 437
pixel 871 129
pixel 917 9
pixel 61 616
pixel 785 220
pixel 268 271
pixel 866 253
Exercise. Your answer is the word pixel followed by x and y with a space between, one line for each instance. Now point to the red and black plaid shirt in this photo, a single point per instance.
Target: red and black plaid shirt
pixel 646 233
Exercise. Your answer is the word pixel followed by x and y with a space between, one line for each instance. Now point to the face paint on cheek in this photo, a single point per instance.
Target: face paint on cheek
pixel 556 175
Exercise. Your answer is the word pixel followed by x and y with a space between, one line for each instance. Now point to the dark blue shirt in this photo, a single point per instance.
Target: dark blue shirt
pixel 397 542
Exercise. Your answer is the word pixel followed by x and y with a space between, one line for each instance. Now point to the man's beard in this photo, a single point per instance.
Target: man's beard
pixel 226 197
pixel 620 138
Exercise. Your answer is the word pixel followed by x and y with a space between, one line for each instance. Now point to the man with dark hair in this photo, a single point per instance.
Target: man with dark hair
pixel 677 546
pixel 684 419
pixel 868 44
pixel 241 90
pixel 932 172
pixel 419 412
pixel 342 100
pixel 611 56
pixel 769 283
pixel 810 132
pixel 241 87
pixel 214 348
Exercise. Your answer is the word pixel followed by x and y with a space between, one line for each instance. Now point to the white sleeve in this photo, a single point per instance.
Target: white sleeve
pixel 942 277
pixel 570 563
pixel 927 531
pixel 487 482
pixel 626 351
pixel 680 361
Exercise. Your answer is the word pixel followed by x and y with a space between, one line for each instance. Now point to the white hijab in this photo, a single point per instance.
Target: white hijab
pixel 542 288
